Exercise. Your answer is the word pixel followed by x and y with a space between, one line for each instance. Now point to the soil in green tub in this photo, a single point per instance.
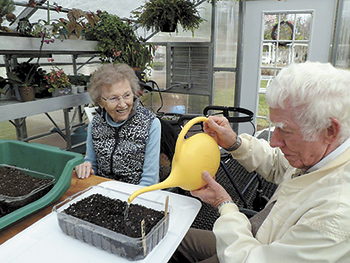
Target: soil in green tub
pixel 16 188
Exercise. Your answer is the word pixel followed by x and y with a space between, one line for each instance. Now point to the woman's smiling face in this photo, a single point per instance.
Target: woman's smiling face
pixel 118 100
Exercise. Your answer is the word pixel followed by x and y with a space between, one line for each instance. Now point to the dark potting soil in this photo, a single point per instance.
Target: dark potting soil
pixel 15 184
pixel 110 213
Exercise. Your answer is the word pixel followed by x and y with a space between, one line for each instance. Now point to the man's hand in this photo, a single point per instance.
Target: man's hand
pixel 212 193
pixel 219 128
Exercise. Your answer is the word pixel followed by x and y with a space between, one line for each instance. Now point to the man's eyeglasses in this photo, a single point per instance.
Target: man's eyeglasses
pixel 118 99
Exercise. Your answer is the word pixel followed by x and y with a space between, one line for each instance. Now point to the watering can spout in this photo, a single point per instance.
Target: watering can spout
pixel 163 185
pixel 192 156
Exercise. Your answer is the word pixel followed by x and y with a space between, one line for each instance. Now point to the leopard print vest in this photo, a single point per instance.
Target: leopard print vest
pixel 120 152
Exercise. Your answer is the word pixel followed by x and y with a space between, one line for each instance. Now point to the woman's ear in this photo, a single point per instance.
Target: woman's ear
pixel 333 131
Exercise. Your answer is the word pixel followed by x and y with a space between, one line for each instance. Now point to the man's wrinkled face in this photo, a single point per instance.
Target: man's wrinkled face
pixel 287 136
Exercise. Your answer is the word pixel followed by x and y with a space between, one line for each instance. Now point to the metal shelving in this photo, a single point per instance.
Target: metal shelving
pixel 16 112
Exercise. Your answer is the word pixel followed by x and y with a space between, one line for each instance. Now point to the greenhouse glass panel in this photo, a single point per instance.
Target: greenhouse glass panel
pixel 224 88
pixel 226 33
pixel 343 43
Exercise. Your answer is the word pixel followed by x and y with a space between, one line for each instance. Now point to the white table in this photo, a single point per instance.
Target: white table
pixel 45 242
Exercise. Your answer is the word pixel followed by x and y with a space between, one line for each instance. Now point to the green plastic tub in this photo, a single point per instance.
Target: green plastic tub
pixel 43 159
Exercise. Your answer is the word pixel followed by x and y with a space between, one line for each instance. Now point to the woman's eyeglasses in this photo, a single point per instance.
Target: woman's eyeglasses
pixel 118 99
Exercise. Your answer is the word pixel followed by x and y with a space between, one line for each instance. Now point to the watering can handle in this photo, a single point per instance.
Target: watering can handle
pixel 185 129
pixel 169 183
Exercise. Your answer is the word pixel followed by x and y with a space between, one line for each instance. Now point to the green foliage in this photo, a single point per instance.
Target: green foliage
pixel 79 80
pixel 76 24
pixel 6 7
pixel 158 14
pixel 41 27
pixel 263 111
pixel 25 75
pixel 41 89
pixel 119 43
pixel 24 27
pixel 57 79
pixel 59 28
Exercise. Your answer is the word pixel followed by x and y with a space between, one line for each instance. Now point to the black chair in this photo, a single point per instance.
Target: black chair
pixel 167 148
pixel 233 114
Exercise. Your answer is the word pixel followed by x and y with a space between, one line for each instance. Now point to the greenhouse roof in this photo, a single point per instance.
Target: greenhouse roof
pixel 121 8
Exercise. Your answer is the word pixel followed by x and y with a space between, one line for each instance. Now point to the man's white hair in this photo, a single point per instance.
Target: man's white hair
pixel 316 92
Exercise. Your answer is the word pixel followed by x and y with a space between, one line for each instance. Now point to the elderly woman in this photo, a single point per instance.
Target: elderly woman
pixel 123 140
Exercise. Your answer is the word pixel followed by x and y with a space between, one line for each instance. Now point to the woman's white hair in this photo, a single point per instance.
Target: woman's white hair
pixel 107 75
pixel 316 92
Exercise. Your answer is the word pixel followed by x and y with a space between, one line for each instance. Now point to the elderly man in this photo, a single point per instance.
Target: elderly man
pixel 308 217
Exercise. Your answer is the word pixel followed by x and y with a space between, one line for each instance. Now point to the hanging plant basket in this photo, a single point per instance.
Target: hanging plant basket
pixel 169 27
pixel 155 14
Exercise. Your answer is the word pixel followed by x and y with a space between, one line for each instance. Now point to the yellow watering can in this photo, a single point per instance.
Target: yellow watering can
pixel 192 156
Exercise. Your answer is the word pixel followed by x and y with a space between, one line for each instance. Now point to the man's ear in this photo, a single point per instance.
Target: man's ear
pixel 333 131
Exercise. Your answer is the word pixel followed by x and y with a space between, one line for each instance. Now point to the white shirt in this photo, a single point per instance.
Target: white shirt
pixel 338 151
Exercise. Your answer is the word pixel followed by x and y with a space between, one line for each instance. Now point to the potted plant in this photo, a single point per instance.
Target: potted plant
pixel 58 82
pixel 28 79
pixel 119 43
pixel 41 90
pixel 80 81
pixel 24 76
pixel 165 15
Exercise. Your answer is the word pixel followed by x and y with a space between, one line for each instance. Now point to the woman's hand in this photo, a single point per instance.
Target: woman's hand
pixel 212 193
pixel 219 128
pixel 84 170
